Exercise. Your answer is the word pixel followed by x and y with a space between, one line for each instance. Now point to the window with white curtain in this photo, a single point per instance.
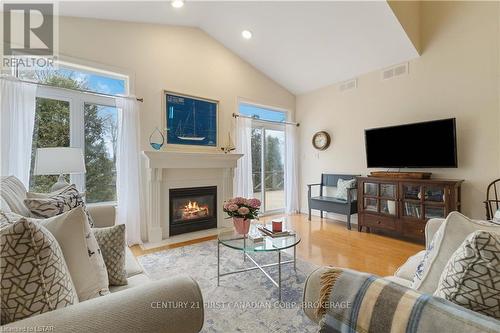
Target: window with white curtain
pixel 70 118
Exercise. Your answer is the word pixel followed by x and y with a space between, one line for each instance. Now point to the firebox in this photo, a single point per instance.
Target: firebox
pixel 192 209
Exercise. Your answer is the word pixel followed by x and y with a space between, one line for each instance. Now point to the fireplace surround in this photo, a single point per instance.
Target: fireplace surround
pixel 168 170
pixel 192 209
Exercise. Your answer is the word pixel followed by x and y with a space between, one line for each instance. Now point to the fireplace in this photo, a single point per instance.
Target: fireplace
pixel 192 209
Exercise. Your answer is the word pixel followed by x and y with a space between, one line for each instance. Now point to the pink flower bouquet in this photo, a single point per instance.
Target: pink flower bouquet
pixel 243 208
pixel 242 211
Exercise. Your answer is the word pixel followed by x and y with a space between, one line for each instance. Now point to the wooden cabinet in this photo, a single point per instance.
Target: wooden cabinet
pixel 403 206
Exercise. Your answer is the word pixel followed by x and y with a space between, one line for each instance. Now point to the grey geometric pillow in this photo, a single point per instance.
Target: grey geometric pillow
pixel 33 274
pixel 343 187
pixel 112 244
pixel 471 277
pixel 79 247
pixel 46 205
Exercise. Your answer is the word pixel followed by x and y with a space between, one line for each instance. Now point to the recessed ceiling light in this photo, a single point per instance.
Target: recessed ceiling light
pixel 247 34
pixel 177 3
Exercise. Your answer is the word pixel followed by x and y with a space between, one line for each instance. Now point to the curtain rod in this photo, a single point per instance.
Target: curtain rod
pixel 72 89
pixel 235 115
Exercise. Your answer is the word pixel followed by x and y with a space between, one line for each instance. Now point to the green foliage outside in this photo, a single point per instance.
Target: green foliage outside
pixel 52 129
pixel 273 164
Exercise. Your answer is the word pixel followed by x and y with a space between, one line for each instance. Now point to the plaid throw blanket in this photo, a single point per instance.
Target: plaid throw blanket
pixel 357 302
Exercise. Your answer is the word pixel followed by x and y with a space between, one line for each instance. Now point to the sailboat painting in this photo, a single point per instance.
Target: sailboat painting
pixel 191 120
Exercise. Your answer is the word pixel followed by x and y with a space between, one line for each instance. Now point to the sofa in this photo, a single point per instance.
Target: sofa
pixel 143 305
pixel 351 287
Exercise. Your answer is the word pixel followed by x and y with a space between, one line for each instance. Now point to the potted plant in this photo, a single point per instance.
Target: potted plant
pixel 242 210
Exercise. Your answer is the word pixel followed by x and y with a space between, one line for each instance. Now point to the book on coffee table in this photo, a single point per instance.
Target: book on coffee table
pixel 268 231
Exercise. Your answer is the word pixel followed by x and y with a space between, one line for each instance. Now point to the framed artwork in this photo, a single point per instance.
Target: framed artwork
pixel 190 120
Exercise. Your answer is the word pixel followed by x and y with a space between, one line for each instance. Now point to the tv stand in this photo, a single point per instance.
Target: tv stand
pixel 402 206
pixel 398 174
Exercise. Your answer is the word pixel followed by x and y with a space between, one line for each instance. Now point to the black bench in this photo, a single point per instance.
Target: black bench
pixel 332 204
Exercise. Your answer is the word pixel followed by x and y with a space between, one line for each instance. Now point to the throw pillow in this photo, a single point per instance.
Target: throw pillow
pixel 450 235
pixel 112 243
pixel 44 205
pixel 80 250
pixel 343 187
pixel 472 276
pixel 34 277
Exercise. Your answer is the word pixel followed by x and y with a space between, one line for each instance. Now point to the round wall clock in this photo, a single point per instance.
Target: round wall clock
pixel 321 140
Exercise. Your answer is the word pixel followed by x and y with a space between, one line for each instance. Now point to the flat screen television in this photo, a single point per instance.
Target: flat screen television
pixel 429 144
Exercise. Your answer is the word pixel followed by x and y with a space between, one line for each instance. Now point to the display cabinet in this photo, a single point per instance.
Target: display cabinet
pixel 403 206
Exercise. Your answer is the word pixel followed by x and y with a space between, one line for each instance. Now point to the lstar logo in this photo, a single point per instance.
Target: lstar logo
pixel 28 29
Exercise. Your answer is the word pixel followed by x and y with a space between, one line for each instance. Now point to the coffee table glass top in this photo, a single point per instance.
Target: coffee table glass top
pixel 238 242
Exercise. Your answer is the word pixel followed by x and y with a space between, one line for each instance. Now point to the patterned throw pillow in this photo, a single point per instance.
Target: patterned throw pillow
pixel 79 247
pixel 112 243
pixel 447 239
pixel 45 205
pixel 472 276
pixel 34 277
pixel 342 188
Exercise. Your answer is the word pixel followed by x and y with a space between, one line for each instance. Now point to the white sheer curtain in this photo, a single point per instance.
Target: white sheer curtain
pixel 243 184
pixel 291 170
pixel 17 103
pixel 130 209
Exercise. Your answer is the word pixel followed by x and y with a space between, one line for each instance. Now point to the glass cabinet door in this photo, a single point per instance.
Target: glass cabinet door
pixel 370 204
pixel 412 201
pixel 388 207
pixel 434 193
pixel 388 191
pixel 411 192
pixel 432 212
pixel 412 209
pixel 371 189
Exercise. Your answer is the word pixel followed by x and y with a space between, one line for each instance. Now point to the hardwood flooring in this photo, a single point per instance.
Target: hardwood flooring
pixel 328 242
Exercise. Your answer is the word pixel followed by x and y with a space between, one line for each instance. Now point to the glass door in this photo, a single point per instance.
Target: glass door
pixel 268 167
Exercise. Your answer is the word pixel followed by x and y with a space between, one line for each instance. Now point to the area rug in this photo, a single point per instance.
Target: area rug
pixel 245 302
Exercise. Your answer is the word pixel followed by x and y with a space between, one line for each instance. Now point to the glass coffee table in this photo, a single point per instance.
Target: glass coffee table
pixel 237 242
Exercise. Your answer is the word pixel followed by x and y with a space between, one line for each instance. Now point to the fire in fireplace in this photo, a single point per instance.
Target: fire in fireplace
pixel 192 209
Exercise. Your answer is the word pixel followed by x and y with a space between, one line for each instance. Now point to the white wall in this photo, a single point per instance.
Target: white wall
pixel 456 76
pixel 178 59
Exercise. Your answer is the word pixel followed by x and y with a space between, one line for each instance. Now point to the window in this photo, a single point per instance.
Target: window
pixel 68 118
pixel 101 134
pixel 69 77
pixel 268 156
pixel 51 130
pixel 262 113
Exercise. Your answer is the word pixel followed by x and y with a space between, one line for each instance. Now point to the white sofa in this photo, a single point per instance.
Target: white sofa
pixel 403 276
pixel 130 308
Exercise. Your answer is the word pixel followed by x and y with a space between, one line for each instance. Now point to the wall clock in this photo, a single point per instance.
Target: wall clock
pixel 321 140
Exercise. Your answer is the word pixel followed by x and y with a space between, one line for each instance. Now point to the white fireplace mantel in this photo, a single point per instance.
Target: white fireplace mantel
pixel 176 160
pixel 173 169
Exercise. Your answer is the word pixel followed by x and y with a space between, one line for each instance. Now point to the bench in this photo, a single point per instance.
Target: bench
pixel 332 204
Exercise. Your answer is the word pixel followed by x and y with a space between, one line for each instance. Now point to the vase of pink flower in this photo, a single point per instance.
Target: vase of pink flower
pixel 242 210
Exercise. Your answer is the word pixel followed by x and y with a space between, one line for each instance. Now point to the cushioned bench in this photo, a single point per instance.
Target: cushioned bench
pixel 331 204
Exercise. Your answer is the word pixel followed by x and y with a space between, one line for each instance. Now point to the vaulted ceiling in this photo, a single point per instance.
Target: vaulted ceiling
pixel 301 45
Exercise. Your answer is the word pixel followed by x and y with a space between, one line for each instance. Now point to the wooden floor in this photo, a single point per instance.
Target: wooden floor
pixel 328 242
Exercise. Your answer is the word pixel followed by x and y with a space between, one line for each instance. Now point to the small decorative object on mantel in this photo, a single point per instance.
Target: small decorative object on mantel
pixel 242 211
pixel 156 139
pixel 321 140
pixel 229 146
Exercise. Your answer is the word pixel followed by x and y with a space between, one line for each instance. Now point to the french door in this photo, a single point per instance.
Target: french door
pixel 268 166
